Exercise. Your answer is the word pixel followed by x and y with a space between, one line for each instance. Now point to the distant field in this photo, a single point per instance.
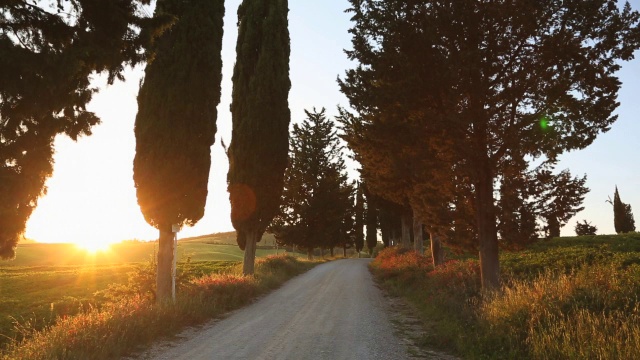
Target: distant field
pixel 47 280
pixel 220 246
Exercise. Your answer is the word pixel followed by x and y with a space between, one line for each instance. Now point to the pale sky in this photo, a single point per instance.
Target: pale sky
pixel 91 197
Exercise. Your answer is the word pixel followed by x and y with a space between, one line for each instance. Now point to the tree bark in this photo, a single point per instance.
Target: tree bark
pixel 164 272
pixel 248 265
pixel 437 252
pixel 418 245
pixel 406 230
pixel 331 250
pixel 487 232
pixel 344 251
pixel 310 253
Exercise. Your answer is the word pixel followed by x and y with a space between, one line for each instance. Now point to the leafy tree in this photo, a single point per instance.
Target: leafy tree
pixel 622 216
pixel 176 124
pixel 585 228
pixel 491 79
pixel 48 51
pixel 560 198
pixel 316 205
pixel 260 112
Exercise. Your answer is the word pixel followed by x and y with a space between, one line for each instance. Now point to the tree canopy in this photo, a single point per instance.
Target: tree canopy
pixel 260 113
pixel 176 123
pixel 493 81
pixel 48 51
pixel 316 206
pixel 622 215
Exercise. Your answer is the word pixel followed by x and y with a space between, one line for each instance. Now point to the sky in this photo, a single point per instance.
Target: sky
pixel 91 196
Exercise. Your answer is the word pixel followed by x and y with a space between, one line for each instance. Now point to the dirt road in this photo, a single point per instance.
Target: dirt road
pixel 334 311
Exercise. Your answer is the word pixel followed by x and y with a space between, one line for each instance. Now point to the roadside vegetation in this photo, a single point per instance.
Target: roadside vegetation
pixel 566 298
pixel 106 311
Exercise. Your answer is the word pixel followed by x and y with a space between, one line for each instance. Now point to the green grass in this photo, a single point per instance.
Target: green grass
pixel 127 322
pixel 567 298
pixel 46 281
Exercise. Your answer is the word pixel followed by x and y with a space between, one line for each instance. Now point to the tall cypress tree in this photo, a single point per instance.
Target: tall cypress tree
pixel 48 51
pixel 176 124
pixel 260 113
pixel 371 237
pixel 359 221
pixel 622 216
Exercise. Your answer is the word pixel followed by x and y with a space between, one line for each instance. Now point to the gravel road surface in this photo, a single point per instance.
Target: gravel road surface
pixel 333 311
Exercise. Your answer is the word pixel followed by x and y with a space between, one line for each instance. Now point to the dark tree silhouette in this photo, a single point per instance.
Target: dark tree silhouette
pixel 371 237
pixel 622 216
pixel 260 112
pixel 46 61
pixel 585 228
pixel 176 124
pixel 488 79
pixel 316 206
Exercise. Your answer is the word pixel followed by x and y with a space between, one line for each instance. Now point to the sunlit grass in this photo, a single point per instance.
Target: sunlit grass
pixel 562 299
pixel 117 327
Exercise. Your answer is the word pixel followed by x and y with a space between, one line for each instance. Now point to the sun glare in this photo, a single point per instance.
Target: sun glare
pixel 94 246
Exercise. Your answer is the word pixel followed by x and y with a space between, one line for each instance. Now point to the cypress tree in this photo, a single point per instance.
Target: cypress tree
pixel 46 61
pixel 372 221
pixel 260 113
pixel 622 216
pixel 176 124
pixel 359 221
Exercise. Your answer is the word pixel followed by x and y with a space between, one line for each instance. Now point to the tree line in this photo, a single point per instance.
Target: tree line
pixel 451 102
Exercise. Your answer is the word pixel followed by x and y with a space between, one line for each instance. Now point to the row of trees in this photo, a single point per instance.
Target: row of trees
pixel 176 123
pixel 452 100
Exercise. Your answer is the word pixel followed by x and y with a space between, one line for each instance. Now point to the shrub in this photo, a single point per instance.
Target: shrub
pixel 585 228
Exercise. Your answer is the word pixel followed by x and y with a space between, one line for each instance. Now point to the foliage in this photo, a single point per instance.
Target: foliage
pixel 260 114
pixel 622 216
pixel 176 122
pixel 316 206
pixel 483 83
pixel 119 327
pixel 560 299
pixel 358 233
pixel 585 228
pixel 371 216
pixel 48 52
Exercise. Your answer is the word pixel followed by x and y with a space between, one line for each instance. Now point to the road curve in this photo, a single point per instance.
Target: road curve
pixel 333 311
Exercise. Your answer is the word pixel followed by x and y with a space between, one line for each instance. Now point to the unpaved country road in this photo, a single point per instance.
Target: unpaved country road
pixel 333 311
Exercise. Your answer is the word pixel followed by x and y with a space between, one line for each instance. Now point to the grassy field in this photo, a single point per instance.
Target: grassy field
pixel 46 281
pixel 566 298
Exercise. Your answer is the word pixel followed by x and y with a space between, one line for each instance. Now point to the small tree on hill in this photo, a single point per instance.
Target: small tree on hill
pixel 176 124
pixel 622 216
pixel 585 228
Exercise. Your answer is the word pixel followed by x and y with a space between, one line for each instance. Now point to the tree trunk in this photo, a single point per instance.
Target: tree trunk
pixel 344 251
pixel 248 265
pixel 437 252
pixel 164 281
pixel 487 232
pixel 406 230
pixel 332 252
pixel 310 253
pixel 418 244
pixel 322 252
